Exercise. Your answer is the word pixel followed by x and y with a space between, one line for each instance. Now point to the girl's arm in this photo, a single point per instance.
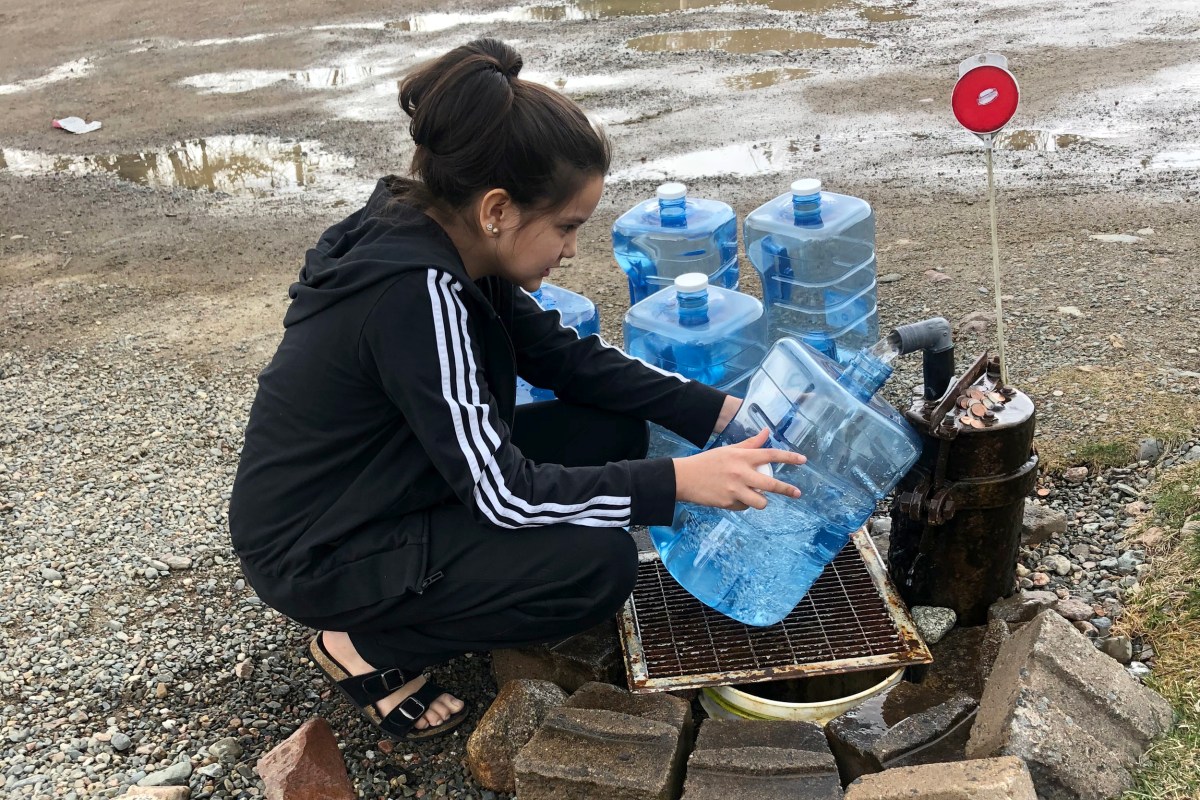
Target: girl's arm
pixel 591 372
pixel 418 342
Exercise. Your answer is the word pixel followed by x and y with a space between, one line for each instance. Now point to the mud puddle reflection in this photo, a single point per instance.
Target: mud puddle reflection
pixel 884 14
pixel 247 166
pixel 740 42
pixel 248 80
pixel 600 9
pixel 1031 139
pixel 769 77
pixel 745 159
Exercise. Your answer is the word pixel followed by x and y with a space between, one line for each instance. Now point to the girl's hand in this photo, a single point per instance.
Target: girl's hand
pixel 729 477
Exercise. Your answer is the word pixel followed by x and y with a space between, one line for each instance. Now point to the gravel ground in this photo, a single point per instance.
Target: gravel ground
pixel 133 318
pixel 130 641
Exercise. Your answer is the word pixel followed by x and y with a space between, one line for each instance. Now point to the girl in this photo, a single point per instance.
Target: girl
pixel 389 493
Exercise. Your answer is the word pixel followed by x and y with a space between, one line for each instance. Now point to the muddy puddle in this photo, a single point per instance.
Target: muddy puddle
pixel 737 160
pixel 246 166
pixel 602 9
pixel 765 78
pixel 740 42
pixel 247 80
pixel 1038 140
pixel 884 14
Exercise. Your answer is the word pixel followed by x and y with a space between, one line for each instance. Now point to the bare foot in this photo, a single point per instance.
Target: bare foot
pixel 342 650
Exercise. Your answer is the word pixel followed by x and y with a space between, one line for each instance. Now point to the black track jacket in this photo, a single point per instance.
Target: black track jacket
pixel 393 391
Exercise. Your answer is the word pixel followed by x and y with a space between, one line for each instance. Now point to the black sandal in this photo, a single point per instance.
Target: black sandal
pixel 365 690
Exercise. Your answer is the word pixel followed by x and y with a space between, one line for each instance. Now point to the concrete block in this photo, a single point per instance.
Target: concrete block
pixel 514 716
pixel 658 706
pixel 594 655
pixel 592 754
pixel 904 728
pixel 987 779
pixel 753 760
pixel 1075 716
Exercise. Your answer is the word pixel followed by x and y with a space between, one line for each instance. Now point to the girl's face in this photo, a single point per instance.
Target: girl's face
pixel 526 253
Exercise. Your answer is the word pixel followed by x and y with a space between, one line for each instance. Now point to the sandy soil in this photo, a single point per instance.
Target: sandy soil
pixel 95 244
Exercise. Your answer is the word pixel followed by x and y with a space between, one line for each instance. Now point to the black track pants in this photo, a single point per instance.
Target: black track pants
pixel 496 587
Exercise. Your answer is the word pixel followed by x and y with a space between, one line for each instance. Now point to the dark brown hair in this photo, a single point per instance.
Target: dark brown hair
pixel 478 126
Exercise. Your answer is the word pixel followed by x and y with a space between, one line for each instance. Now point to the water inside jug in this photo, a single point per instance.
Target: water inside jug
pixel 756 565
pixel 815 255
pixel 673 234
pixel 706 333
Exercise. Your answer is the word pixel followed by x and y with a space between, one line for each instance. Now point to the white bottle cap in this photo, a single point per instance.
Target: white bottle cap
pixel 806 187
pixel 690 282
pixel 672 191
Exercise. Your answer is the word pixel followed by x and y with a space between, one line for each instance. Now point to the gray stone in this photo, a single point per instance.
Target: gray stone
pixel 1137 670
pixel 890 277
pixel 1022 606
pixel 1075 474
pixel 933 623
pixel 175 775
pixel 1073 714
pixel 1039 524
pixel 227 749
pixel 510 722
pixel 594 655
pixel 1119 647
pixel 1129 561
pixel 1074 609
pixel 120 741
pixel 51 574
pixel 176 562
pixel 1193 454
pixel 761 760
pixel 1149 450
pixel 1058 564
pixel 591 753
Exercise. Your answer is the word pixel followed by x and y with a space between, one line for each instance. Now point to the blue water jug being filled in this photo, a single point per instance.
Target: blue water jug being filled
pixel 576 311
pixel 815 253
pixel 672 234
pixel 709 334
pixel 756 565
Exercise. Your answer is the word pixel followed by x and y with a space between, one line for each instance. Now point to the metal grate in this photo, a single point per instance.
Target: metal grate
pixel 851 619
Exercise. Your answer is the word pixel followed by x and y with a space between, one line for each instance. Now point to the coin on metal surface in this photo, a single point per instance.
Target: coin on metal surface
pixel 978 409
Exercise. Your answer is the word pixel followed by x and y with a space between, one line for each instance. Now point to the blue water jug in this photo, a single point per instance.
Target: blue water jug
pixel 577 312
pixel 753 565
pixel 815 254
pixel 709 334
pixel 673 234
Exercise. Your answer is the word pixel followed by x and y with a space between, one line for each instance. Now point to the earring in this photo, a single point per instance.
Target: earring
pixel 490 228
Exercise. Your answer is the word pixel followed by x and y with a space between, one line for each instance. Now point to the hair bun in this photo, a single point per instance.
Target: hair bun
pixel 508 62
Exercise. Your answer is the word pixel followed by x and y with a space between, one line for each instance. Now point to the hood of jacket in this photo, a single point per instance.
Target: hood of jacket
pixel 375 243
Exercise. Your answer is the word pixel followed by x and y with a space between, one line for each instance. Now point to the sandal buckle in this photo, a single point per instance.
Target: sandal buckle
pixel 412 715
pixel 382 685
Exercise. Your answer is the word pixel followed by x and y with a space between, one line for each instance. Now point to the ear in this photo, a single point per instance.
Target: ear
pixel 497 213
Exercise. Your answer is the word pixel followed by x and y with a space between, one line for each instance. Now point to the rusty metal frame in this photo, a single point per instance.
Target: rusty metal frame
pixel 915 649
